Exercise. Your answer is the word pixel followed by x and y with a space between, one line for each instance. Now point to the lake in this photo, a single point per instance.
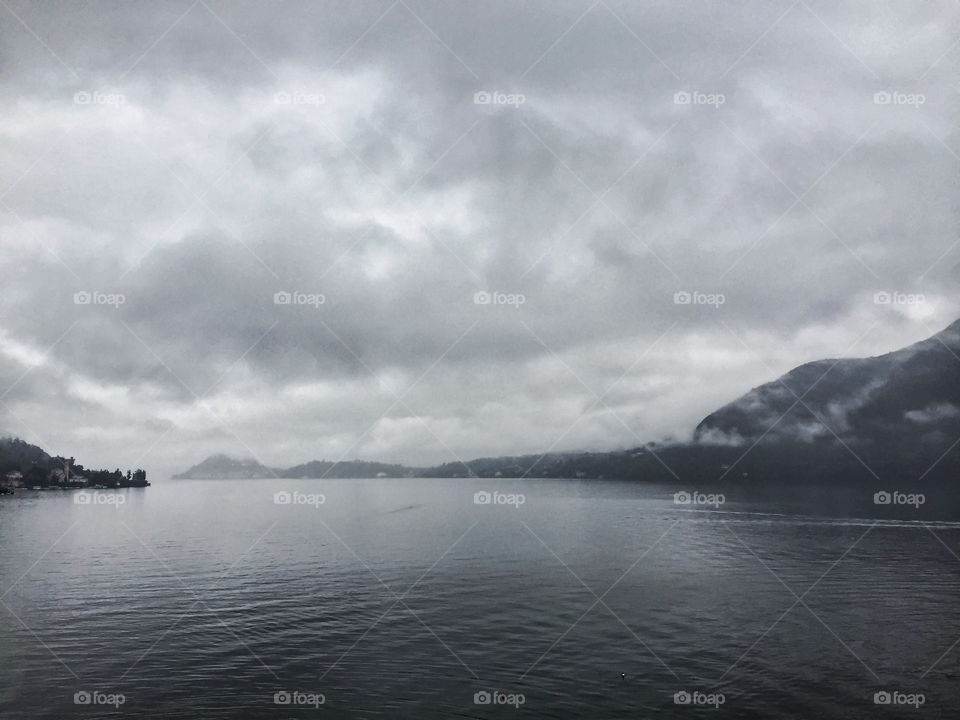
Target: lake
pixel 470 598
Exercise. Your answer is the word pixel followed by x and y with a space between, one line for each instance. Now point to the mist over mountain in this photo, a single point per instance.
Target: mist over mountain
pixel 348 469
pixel 852 421
pixel 908 397
pixel 222 466
pixel 218 467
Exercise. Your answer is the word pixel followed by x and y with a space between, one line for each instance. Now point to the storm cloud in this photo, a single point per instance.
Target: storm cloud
pixel 421 231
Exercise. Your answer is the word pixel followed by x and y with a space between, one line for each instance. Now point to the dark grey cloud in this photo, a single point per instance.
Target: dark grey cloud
pixel 197 158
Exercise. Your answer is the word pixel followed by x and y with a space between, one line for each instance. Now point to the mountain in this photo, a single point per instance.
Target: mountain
pixel 348 469
pixel 891 419
pixel 26 465
pixel 219 467
pixel 15 454
pixel 907 398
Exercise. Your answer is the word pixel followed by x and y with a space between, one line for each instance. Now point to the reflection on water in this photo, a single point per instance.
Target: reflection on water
pixel 407 598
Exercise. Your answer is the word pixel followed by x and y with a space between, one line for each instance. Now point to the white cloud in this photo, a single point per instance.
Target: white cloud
pixel 303 195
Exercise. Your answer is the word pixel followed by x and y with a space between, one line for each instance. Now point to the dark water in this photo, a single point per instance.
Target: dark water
pixel 396 599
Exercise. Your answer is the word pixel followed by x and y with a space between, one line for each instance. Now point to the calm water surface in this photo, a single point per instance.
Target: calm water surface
pixel 404 598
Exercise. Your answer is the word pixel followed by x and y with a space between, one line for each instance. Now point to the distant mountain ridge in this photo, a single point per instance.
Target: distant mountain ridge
pixel 349 469
pixel 223 467
pixel 849 420
pixel 220 467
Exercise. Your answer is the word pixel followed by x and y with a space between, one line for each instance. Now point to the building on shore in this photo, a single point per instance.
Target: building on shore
pixel 12 480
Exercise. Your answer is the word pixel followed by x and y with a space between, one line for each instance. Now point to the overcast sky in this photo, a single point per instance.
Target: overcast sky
pixel 194 159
